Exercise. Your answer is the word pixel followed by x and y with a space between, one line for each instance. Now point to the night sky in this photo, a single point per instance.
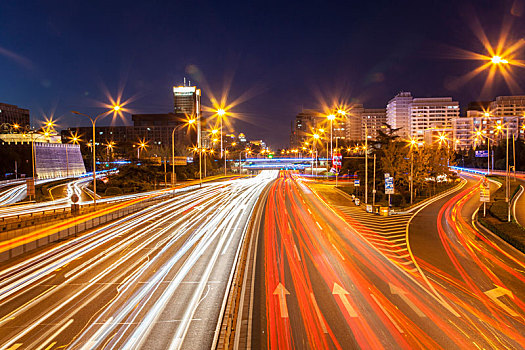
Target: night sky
pixel 57 56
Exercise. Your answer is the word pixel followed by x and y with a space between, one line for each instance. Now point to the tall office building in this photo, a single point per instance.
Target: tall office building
pixel 373 120
pixel 431 113
pixel 398 113
pixel 302 126
pixel 11 114
pixel 187 101
pixel 354 123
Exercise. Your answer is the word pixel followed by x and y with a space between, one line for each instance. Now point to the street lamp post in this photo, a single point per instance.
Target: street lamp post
pixel 221 113
pixel 413 143
pixel 366 164
pixel 331 118
pixel 115 108
pixel 190 122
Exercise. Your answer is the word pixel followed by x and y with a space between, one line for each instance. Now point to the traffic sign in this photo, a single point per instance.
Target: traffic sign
pixel 74 198
pixel 357 183
pixel 389 185
pixel 482 154
pixel 484 194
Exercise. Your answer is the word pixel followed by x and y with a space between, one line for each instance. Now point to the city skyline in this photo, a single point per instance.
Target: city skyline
pixel 275 63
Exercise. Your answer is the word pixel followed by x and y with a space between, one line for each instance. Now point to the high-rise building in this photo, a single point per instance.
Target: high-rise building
pixel 354 123
pixel 373 120
pixel 398 113
pixel 187 102
pixel 158 119
pixel 508 106
pixel 302 126
pixel 431 113
pixel 11 114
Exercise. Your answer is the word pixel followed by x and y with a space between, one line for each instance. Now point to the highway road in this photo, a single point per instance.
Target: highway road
pixel 322 280
pixel 153 280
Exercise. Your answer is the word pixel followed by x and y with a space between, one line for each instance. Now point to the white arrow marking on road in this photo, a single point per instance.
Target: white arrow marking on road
pixel 342 293
pixel 318 312
pixel 497 292
pixel 281 292
pixel 402 294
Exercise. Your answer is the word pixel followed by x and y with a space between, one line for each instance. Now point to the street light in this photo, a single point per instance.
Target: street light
pixel 413 143
pixel 115 108
pixel 498 60
pixel 141 146
pixel 499 129
pixel 189 123
pixel 331 118
pixel 75 140
pixel 221 113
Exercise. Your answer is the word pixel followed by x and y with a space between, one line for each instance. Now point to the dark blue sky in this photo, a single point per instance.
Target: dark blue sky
pixel 61 55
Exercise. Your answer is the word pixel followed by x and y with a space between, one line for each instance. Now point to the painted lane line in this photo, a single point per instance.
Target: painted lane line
pixel 497 292
pixel 318 312
pixel 55 334
pixel 320 228
pixel 338 252
pixel 387 314
pixel 297 252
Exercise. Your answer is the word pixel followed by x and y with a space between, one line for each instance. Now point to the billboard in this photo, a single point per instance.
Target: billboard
pixel 482 154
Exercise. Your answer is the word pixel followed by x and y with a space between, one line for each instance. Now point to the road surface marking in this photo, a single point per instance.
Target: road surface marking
pixel 497 292
pixel 55 334
pixel 309 210
pixel 320 228
pixel 50 345
pixel 338 252
pixel 318 312
pixel 297 252
pixel 387 314
pixel 402 294
pixel 14 346
pixel 281 292
pixel 342 294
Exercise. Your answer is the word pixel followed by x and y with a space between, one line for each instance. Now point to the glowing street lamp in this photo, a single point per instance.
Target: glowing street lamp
pixel 141 146
pixel 115 108
pixel 498 60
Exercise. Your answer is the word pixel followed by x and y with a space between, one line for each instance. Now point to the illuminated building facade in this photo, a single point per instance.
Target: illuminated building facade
pixel 431 113
pixel 11 114
pixel 398 113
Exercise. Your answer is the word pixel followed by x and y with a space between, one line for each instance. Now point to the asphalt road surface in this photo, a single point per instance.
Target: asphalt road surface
pixel 153 280
pixel 322 280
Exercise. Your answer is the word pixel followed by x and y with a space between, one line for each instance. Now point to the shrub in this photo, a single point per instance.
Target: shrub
pixel 113 191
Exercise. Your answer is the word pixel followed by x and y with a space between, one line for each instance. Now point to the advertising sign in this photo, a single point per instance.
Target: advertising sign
pixel 389 185
pixel 337 160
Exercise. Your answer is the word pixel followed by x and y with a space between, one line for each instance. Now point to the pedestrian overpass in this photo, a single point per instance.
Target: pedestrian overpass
pixel 282 163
